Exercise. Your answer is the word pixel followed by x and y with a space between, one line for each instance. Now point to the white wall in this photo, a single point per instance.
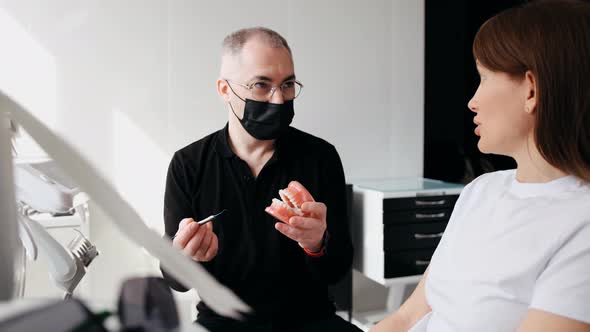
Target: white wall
pixel 132 81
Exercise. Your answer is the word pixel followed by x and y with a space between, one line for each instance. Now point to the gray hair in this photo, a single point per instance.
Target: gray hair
pixel 234 42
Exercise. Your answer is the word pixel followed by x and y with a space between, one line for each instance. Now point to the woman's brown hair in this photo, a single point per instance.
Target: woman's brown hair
pixel 551 39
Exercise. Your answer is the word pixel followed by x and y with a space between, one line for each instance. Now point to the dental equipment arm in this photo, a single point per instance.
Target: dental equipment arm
pixel 9 232
pixel 217 296
pixel 66 266
pixel 41 187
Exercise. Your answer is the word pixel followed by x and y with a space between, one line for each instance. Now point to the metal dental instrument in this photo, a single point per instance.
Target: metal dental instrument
pixel 208 219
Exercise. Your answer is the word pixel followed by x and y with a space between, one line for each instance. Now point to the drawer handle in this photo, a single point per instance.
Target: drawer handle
pixel 431 203
pixel 421 263
pixel 428 236
pixel 429 215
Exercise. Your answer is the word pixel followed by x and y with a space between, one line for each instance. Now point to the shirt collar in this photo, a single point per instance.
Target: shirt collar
pixel 223 148
pixel 222 143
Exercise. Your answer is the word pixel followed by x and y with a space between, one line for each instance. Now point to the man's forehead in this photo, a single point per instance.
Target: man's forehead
pixel 267 73
pixel 265 64
pixel 261 71
pixel 258 58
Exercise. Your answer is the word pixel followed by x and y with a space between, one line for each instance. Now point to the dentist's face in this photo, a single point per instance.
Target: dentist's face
pixel 258 65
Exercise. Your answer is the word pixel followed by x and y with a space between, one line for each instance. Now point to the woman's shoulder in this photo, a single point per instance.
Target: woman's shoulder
pixel 483 190
pixel 497 180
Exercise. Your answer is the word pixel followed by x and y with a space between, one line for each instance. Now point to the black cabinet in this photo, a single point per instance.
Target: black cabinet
pixel 397 224
pixel 412 228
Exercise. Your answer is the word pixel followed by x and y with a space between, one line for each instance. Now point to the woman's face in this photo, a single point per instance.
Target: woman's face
pixel 500 107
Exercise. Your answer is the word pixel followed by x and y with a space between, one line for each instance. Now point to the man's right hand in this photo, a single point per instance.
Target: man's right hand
pixel 196 241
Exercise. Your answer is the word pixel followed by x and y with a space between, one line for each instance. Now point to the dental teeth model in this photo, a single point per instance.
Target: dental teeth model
pixel 292 198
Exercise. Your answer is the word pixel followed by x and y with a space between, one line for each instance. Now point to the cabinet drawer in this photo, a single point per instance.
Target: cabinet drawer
pixel 401 264
pixel 422 202
pixel 412 236
pixel 417 216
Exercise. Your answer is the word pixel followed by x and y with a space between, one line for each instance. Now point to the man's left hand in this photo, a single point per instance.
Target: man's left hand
pixel 309 230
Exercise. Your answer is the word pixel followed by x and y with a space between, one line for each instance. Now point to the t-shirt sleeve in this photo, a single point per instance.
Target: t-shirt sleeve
pixel 177 202
pixel 176 207
pixel 563 288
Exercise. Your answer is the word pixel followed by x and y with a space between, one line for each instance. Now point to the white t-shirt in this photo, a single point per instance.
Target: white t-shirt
pixel 508 247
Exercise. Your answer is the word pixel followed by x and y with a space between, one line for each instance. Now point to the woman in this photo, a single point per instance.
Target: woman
pixel 516 252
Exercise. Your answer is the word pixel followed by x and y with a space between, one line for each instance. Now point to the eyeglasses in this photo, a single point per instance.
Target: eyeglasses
pixel 263 91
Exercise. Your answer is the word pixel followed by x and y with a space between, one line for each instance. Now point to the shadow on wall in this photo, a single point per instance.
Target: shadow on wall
pixel 28 76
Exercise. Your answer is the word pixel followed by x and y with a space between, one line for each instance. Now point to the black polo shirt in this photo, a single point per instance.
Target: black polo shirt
pixel 263 267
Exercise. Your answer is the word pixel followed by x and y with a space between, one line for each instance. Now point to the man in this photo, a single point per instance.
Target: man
pixel 280 269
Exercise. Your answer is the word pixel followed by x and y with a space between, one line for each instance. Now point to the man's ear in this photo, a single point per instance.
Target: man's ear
pixel 530 82
pixel 223 90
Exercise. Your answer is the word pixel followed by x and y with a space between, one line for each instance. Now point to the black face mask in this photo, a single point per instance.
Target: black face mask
pixel 264 120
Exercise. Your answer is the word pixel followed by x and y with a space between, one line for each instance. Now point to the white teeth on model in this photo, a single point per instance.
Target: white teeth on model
pixel 297 211
pixel 274 200
pixel 288 198
pixel 292 199
pixel 284 197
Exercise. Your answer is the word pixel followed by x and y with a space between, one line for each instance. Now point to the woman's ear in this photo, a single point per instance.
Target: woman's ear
pixel 530 83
